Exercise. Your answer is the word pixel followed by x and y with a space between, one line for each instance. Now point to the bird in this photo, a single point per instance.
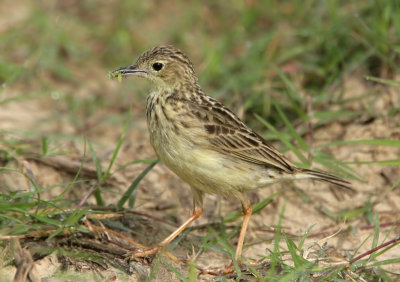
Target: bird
pixel 205 143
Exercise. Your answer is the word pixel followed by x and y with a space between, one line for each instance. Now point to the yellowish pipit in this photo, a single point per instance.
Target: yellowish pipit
pixel 205 143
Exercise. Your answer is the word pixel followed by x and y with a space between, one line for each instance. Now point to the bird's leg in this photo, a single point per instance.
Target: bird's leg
pixel 247 210
pixel 197 211
pixel 196 214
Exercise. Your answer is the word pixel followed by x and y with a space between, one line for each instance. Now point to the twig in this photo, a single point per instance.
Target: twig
pixel 87 195
pixel 393 241
pixel 386 224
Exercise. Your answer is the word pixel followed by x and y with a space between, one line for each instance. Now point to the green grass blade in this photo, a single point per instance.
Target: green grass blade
pixel 177 272
pixel 96 162
pixel 99 171
pixel 325 117
pixel 133 186
pixel 395 184
pixel 221 240
pixel 280 136
pixel 376 231
pixel 291 94
pixel 45 145
pixel 76 216
pixel 117 148
pixel 45 219
pixel 334 274
pixel 192 272
pixel 292 250
pixel 346 216
pixel 372 142
pixel 234 215
pixel 275 256
pixel 337 167
pixel 383 81
pixel 34 188
pixel 385 162
pixel 263 203
pixel 71 221
pixel 74 181
pixel 303 238
pixel 303 145
pixel 99 198
pixel 384 262
pixel 144 161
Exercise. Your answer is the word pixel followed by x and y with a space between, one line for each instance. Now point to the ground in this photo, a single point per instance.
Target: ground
pixel 49 105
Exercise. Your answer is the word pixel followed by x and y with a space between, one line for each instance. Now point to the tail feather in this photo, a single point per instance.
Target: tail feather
pixel 323 176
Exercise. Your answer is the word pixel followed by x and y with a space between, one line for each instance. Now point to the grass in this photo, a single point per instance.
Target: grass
pixel 282 65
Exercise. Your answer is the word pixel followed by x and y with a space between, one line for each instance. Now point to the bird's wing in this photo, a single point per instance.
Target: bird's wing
pixel 247 146
pixel 228 134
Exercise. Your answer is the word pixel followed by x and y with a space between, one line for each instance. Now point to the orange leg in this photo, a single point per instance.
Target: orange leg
pixel 247 210
pixel 196 214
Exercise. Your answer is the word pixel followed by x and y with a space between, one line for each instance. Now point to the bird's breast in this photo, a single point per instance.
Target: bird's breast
pixel 166 134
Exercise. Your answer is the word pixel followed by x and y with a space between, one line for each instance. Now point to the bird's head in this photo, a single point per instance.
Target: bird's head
pixel 165 66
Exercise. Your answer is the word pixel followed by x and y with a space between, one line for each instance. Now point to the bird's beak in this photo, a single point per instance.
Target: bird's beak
pixel 125 71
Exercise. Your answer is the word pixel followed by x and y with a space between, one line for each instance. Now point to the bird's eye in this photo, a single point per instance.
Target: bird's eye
pixel 157 66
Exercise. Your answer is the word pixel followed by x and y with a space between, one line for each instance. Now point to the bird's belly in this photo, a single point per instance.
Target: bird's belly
pixel 207 170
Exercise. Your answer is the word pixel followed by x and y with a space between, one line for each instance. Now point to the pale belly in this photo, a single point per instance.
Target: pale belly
pixel 207 170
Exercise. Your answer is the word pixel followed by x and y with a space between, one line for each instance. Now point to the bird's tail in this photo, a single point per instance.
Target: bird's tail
pixel 323 176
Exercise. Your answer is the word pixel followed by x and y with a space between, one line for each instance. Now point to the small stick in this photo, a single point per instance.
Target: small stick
pixel 393 241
